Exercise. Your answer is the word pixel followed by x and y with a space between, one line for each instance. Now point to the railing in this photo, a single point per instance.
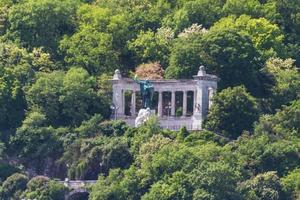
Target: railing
pixel 171 123
pixel 178 127
pixel 78 184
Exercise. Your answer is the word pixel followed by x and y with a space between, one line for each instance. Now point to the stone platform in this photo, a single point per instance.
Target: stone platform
pixel 171 123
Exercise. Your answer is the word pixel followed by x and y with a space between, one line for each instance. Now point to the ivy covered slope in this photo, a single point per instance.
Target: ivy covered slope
pixel 57 55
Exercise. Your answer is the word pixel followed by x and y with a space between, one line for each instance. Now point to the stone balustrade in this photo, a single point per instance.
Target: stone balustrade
pixel 77 184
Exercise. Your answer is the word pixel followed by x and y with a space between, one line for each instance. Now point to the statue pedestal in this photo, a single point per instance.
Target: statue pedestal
pixel 197 121
pixel 143 116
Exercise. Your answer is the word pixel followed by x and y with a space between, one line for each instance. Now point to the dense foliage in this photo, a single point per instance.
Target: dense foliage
pixel 56 57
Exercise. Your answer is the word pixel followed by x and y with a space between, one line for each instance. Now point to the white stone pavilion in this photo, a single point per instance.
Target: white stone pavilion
pixel 177 103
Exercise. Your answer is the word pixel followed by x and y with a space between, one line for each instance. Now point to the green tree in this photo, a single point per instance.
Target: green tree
pixel 41 187
pixel 113 128
pixel 266 37
pixel 231 55
pixel 284 123
pixel 142 14
pixel 217 180
pixel 12 101
pixel 291 184
pixel 205 12
pixel 35 142
pixel 6 170
pixel 106 20
pixel 109 187
pixel 176 187
pixel 150 46
pixel 23 63
pixel 144 133
pixel 99 42
pixel 91 50
pixel 42 23
pixel 172 158
pixel 166 168
pixel 264 186
pixel 13 186
pixel 4 9
pixel 151 147
pixel 254 8
pixel 90 128
pixel 183 133
pixel 67 98
pixel 6 2
pixel 45 93
pixel 79 98
pixel 185 57
pixel 288 18
pixel 263 153
pixel 87 158
pixel 17 59
pixel 286 81
pixel 233 111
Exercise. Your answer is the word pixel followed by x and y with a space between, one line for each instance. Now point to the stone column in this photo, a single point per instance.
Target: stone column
pixel 123 103
pixel 205 101
pixel 173 104
pixel 195 102
pixel 133 102
pixel 200 102
pixel 184 107
pixel 210 96
pixel 118 94
pixel 117 100
pixel 159 107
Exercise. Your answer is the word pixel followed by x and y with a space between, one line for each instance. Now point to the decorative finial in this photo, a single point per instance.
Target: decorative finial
pixel 117 75
pixel 201 71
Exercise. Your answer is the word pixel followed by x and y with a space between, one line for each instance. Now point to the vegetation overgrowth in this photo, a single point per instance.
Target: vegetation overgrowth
pixel 57 55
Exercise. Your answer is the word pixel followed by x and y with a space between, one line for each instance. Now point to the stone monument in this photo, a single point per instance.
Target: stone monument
pixel 192 96
pixel 146 91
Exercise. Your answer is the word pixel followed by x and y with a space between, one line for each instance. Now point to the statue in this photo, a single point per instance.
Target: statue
pixel 147 92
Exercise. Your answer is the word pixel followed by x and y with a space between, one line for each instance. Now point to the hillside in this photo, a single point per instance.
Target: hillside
pixel 56 57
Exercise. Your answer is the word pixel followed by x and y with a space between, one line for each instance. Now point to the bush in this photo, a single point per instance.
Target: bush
pixel 41 187
pixel 13 186
pixel 233 111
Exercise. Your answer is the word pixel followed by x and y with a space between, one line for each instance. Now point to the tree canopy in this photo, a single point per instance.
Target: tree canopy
pixel 56 60
pixel 233 111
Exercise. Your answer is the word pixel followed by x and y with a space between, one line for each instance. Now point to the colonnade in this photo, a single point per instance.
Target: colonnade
pixel 203 86
pixel 160 102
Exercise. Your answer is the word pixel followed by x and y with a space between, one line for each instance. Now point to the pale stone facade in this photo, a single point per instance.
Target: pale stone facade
pixel 196 100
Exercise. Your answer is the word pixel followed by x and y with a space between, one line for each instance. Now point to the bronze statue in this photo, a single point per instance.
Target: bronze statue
pixel 147 92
